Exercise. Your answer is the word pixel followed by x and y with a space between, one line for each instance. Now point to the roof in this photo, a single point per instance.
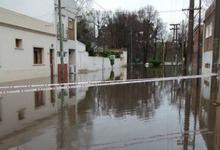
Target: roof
pixel 196 28
pixel 11 18
pixel 210 10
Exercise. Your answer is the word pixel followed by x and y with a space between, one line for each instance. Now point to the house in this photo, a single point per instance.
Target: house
pixel 27 47
pixel 30 48
pixel 208 39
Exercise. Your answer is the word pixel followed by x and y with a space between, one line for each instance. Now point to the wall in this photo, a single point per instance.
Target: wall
pixel 17 132
pixel 88 63
pixel 208 41
pixel 195 57
pixel 80 93
pixel 207 59
pixel 17 64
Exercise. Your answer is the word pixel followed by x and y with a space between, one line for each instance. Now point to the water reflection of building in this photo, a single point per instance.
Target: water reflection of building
pixel 217 122
pixel 117 100
pixel 0 108
pixel 209 114
pixel 20 111
pixel 24 114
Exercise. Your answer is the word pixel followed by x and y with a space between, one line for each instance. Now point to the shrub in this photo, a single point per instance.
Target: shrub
pixel 155 63
pixel 108 53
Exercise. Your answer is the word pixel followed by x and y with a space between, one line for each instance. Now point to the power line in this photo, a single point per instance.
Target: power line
pixel 169 11
pixel 163 11
pixel 99 5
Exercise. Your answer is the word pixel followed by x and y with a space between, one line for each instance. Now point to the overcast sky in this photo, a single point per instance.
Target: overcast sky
pixel 43 9
pixel 160 5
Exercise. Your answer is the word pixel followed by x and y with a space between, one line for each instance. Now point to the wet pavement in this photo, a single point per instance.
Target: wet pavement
pixel 167 115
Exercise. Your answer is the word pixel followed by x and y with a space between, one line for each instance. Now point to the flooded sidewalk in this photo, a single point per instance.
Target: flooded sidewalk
pixel 163 115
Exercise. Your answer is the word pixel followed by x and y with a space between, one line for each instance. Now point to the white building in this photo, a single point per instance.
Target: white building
pixel 27 47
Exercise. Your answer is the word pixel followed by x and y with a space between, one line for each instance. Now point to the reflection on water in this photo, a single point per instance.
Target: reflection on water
pixel 159 115
pixel 139 71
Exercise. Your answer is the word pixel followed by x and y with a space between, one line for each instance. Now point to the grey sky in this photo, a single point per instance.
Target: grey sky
pixel 43 9
pixel 160 5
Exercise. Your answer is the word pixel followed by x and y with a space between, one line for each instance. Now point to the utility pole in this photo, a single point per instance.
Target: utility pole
pixel 61 41
pixel 199 38
pixel 183 49
pixel 175 39
pixel 163 52
pixel 131 48
pixel 216 37
pixel 190 38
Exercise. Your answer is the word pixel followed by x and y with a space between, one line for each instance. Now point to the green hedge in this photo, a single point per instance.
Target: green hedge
pixel 108 53
pixel 155 63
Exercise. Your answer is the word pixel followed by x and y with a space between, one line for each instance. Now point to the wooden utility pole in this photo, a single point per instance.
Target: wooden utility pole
pixel 190 38
pixel 131 48
pixel 199 38
pixel 216 37
pixel 61 40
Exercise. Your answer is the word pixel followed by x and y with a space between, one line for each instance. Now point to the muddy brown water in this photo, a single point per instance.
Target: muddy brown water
pixel 167 115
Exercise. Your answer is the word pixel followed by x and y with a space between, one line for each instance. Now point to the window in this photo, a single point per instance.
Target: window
pixel 207 65
pixel 18 43
pixel 38 56
pixel 71 23
pixel 21 114
pixel 208 31
pixel 206 83
pixel 71 29
pixel 39 99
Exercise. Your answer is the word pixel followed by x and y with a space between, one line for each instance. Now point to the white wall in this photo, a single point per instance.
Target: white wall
pixel 124 58
pixel 206 88
pixel 17 64
pixel 88 63
pixel 41 117
pixel 94 76
pixel 207 59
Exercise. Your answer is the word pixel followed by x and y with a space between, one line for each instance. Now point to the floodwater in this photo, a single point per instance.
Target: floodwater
pixel 167 115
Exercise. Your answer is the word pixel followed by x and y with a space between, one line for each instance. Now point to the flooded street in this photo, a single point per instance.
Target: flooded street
pixel 166 115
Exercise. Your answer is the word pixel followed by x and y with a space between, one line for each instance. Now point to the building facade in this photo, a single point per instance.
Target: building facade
pixel 27 47
pixel 197 55
pixel 30 48
pixel 208 39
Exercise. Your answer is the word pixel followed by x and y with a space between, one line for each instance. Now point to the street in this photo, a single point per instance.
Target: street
pixel 166 115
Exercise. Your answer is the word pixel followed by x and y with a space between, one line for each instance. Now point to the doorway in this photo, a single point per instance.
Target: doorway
pixel 51 62
pixel 72 61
